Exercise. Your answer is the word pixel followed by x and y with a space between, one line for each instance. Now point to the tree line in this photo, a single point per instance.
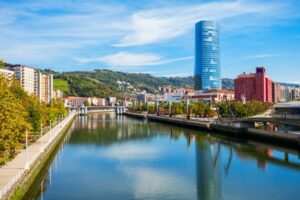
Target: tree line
pixel 202 109
pixel 197 109
pixel 21 112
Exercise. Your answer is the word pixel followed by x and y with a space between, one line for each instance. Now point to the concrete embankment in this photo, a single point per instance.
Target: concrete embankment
pixel 230 129
pixel 17 174
pixel 181 122
pixel 136 115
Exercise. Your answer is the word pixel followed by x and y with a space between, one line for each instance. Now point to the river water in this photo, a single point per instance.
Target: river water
pixel 105 156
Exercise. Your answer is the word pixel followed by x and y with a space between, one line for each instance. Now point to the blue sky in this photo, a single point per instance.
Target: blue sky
pixel 154 36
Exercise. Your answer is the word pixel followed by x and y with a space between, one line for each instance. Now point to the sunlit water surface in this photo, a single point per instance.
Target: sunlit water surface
pixel 115 157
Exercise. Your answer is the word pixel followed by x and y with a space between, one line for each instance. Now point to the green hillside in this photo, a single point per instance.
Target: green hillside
pixel 105 83
pixel 60 84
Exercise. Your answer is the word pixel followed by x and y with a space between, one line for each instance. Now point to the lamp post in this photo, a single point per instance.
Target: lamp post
pixel 50 130
pixel 26 145
pixel 187 107
pixel 170 109
pixel 41 137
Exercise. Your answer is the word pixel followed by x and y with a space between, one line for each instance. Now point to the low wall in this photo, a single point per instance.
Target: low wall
pixel 135 115
pixel 230 129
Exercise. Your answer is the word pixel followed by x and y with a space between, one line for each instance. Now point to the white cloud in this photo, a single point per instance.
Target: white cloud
pixel 128 152
pixel 151 26
pixel 125 60
pixel 265 55
pixel 149 182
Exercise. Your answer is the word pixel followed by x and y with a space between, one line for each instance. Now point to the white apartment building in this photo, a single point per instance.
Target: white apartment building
pixel 7 73
pixel 27 77
pixel 35 82
pixel 45 87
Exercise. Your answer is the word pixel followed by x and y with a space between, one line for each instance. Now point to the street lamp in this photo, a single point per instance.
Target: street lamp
pixel 170 109
pixel 41 137
pixel 187 107
pixel 26 145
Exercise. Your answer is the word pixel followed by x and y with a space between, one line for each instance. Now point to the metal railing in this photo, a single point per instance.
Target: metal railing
pixel 53 135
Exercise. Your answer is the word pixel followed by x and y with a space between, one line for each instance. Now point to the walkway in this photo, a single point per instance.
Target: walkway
pixel 13 171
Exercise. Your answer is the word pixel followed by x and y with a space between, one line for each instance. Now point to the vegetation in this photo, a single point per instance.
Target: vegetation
pixel 60 84
pixel 239 109
pixel 2 64
pixel 198 109
pixel 21 112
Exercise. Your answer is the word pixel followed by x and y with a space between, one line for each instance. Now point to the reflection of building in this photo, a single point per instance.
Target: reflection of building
pixel 254 86
pixel 207 56
pixel 208 171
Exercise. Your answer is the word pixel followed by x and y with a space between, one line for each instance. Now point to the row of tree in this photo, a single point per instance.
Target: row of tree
pixel 21 112
pixel 201 109
pixel 198 109
pixel 238 109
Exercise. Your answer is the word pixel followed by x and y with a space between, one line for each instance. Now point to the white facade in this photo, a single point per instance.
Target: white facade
pixel 27 77
pixel 7 73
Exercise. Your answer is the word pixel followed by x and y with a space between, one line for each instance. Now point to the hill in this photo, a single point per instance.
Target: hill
pixel 104 83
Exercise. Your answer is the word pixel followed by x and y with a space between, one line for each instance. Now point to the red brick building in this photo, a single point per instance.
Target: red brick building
pixel 254 86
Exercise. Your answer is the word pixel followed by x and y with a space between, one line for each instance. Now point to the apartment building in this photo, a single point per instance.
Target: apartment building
pixel 7 74
pixel 35 82
pixel 45 87
pixel 27 77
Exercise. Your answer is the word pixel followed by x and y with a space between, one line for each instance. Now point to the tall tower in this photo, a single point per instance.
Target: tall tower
pixel 207 56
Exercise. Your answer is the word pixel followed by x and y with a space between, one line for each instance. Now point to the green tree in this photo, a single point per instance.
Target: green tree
pixel 2 64
pixel 13 122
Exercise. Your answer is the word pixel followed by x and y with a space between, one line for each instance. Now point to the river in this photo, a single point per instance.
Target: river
pixel 105 156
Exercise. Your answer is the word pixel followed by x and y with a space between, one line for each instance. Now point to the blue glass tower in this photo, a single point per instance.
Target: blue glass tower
pixel 207 56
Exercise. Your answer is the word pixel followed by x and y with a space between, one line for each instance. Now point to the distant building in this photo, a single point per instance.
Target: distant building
pixel 35 82
pixel 278 93
pixel 58 94
pixel 254 86
pixel 97 101
pixel 76 101
pixel 44 87
pixel 174 97
pixel 27 77
pixel 212 96
pixel 112 101
pixel 288 108
pixel 142 97
pixel 7 74
pixel 207 56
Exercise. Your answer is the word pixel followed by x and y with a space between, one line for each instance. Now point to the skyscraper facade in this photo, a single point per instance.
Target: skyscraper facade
pixel 207 56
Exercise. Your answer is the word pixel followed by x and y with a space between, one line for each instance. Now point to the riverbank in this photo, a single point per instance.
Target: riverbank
pixel 17 173
pixel 230 129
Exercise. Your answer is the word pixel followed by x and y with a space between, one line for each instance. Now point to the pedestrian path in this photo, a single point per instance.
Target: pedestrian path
pixel 12 172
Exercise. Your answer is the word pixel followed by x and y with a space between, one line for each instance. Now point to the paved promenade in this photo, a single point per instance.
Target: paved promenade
pixel 12 172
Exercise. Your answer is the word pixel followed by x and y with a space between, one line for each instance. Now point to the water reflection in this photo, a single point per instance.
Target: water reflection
pixel 114 157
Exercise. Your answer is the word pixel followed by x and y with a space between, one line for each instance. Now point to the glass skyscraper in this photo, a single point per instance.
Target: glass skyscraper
pixel 207 56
